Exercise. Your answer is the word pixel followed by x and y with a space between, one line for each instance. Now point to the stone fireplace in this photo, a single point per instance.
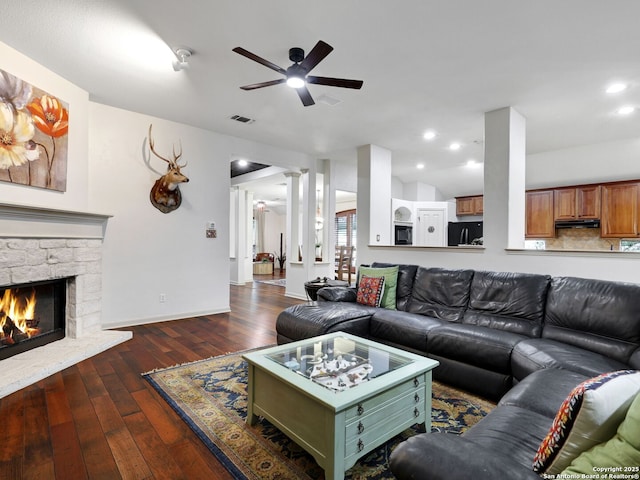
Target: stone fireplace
pixel 42 244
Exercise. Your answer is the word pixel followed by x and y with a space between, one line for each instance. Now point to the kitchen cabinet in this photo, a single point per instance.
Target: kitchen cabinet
pixel 539 214
pixel 473 205
pixel 620 210
pixel 576 203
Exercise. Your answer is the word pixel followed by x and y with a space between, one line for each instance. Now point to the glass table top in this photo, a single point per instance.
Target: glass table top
pixel 339 363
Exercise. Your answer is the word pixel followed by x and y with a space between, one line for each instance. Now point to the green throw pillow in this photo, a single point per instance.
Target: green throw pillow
pixel 623 450
pixel 390 275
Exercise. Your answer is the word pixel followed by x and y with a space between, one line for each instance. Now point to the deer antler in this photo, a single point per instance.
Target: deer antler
pixel 176 156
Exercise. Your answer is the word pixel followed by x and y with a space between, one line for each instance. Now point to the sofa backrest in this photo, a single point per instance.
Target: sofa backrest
pixel 508 301
pixel 597 315
pixel 440 293
pixel 406 276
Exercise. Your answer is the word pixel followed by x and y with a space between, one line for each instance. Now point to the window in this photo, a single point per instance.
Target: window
pixel 630 245
pixel 346 225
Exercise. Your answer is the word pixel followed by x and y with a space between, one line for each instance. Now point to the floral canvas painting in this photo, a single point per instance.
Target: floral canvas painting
pixel 34 129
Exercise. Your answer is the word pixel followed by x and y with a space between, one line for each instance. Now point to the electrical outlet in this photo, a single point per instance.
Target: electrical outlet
pixel 163 297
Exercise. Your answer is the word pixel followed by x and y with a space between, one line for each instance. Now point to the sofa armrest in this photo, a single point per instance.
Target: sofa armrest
pixel 337 294
pixel 445 456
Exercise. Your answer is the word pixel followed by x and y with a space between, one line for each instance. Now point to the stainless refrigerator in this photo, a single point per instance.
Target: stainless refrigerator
pixel 464 233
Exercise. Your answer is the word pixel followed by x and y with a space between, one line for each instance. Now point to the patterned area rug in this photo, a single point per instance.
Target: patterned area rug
pixel 210 396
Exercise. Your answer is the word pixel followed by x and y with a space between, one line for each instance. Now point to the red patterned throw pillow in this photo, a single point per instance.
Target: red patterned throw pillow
pixel 370 291
pixel 590 415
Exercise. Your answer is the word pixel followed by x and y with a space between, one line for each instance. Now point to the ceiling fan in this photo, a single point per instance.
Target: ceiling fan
pixel 296 76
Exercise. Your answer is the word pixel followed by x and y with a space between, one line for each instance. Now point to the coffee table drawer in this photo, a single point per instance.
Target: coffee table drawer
pixel 371 430
pixel 366 407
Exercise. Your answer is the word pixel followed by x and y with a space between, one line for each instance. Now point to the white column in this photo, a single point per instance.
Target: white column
pixel 374 196
pixel 504 179
pixel 293 216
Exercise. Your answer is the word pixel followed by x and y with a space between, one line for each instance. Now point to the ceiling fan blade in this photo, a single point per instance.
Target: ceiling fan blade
pixel 253 86
pixel 335 82
pixel 260 60
pixel 305 96
pixel 316 55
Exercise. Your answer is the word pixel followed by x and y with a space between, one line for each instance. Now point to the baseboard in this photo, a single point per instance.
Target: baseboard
pixel 163 318
pixel 296 296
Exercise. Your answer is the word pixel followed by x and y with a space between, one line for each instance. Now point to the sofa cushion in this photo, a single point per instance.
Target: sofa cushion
pixel 508 301
pixel 623 450
pixel 311 319
pixel 537 353
pixel 370 291
pixel 402 328
pixel 596 315
pixel 406 276
pixel 390 275
pixel 543 391
pixel 590 415
pixel 511 431
pixel 480 346
pixel 440 293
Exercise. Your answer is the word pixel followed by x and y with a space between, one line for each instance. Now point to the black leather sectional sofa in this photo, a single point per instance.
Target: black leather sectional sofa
pixel 524 340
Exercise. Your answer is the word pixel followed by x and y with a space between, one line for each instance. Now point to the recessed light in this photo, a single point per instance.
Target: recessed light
pixel 429 135
pixel 626 110
pixel 242 163
pixel 420 166
pixel 455 146
pixel 616 87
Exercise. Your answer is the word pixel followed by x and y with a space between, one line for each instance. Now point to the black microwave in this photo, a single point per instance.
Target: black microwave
pixel 403 235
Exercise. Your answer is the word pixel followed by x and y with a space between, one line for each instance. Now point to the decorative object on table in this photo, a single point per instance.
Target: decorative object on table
pixel 165 194
pixel 281 258
pixel 311 287
pixel 210 396
pixel 33 135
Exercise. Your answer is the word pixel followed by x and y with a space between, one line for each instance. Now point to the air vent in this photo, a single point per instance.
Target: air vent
pixel 327 100
pixel 241 119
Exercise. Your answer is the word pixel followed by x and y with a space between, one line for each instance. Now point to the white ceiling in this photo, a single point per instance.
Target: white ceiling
pixel 425 64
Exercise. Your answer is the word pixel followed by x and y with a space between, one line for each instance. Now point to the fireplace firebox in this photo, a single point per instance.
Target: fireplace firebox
pixel 31 315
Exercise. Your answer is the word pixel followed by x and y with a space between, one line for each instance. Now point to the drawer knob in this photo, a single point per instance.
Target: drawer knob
pixel 416 397
pixel 360 409
pixel 360 445
pixel 416 382
pixel 416 412
pixel 360 427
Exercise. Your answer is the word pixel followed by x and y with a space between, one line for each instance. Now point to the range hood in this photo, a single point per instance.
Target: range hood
pixel 581 223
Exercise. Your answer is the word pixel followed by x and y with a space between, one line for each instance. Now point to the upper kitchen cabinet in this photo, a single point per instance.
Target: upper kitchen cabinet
pixel 576 203
pixel 539 214
pixel 473 205
pixel 620 210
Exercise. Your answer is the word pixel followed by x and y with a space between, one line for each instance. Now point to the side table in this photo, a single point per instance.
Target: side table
pixel 312 286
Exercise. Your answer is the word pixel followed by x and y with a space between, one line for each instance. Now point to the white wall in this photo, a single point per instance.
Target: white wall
pixel 146 252
pixel 275 224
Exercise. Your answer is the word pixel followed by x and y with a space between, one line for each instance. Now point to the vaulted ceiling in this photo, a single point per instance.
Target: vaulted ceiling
pixel 426 64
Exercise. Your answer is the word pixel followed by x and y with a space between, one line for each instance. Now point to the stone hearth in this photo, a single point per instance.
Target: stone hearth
pixel 42 244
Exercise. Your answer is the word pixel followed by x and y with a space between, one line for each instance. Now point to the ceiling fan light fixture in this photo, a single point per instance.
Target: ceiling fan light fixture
pixel 182 60
pixel 295 82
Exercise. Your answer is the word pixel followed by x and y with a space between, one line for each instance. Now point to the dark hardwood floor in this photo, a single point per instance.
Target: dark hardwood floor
pixel 100 420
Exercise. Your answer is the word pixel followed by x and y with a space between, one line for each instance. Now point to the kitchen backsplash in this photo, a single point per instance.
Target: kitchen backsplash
pixel 581 239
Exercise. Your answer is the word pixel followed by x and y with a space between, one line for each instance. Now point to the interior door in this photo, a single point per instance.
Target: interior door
pixel 431 227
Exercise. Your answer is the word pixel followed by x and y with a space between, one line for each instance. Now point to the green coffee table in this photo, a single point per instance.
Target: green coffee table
pixel 339 396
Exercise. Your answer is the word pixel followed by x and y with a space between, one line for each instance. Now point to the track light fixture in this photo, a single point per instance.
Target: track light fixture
pixel 182 61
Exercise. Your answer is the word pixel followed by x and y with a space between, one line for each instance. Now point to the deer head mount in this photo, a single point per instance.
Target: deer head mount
pixel 165 194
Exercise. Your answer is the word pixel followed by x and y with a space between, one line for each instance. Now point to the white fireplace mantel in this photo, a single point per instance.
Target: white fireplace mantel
pixel 20 221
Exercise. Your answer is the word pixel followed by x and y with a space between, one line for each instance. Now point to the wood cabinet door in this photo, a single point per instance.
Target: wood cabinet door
pixel 619 210
pixel 478 205
pixel 588 201
pixel 564 203
pixel 464 206
pixel 539 214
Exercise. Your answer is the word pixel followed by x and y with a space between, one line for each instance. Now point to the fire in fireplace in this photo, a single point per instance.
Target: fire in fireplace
pixel 31 315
